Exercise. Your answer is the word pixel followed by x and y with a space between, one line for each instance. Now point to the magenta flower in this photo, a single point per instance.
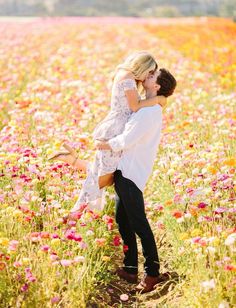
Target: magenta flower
pixel 202 205
pixel 45 248
pixel 25 287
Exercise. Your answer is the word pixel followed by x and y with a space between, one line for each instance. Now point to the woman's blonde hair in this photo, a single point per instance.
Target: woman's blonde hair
pixel 138 63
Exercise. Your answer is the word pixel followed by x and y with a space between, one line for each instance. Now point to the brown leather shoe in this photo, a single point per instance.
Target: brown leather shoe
pixel 148 282
pixel 132 278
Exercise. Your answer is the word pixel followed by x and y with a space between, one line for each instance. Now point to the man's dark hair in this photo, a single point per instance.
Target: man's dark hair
pixel 167 82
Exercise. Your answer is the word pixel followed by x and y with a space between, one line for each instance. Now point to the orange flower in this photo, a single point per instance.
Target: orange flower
pixel 177 213
pixel 193 210
pixel 2 265
pixel 100 241
pixel 23 104
pixel 169 202
pixel 44 234
pixel 212 169
pixel 231 162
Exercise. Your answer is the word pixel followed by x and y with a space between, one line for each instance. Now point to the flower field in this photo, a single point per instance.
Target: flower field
pixel 55 78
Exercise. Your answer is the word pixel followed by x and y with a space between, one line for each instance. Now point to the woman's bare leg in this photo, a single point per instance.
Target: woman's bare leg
pixel 79 164
pixel 106 180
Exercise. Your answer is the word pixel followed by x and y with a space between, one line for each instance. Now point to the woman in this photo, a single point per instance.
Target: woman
pixel 125 100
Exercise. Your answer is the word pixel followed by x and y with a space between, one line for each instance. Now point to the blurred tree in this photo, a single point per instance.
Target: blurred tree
pixel 158 8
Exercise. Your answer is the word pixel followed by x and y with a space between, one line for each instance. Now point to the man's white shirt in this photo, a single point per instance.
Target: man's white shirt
pixel 139 143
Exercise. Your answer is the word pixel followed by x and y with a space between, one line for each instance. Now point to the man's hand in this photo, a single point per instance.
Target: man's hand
pixel 101 145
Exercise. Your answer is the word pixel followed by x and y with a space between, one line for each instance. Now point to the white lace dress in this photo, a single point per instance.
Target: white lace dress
pixel 106 161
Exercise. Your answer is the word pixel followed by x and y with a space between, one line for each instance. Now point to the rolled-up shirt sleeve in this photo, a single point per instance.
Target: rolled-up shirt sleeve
pixel 135 128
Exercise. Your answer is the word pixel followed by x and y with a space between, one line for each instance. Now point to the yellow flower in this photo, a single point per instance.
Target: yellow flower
pixel 17 213
pixel 3 154
pixel 57 145
pixel 9 210
pixel 11 252
pixel 212 169
pixel 49 151
pixel 87 215
pixel 224 234
pixel 25 261
pixel 40 253
pixel 35 181
pixel 55 242
pixel 183 236
pixel 4 241
pixel 216 242
pixel 195 232
pixel 12 123
pixel 106 258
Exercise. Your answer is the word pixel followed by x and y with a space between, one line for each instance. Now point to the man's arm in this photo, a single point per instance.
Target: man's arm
pixel 139 125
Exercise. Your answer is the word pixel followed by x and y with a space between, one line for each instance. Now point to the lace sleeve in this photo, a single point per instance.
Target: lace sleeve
pixel 128 84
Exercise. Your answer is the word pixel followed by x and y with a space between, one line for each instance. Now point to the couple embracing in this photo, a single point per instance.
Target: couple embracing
pixel 127 141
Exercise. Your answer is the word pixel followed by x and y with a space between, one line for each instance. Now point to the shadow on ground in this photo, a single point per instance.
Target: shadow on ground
pixel 110 294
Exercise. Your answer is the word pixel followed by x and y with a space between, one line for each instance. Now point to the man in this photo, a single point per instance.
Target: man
pixel 139 143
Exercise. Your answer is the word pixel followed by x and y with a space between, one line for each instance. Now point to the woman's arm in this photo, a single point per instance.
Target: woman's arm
pixel 135 104
pixel 160 100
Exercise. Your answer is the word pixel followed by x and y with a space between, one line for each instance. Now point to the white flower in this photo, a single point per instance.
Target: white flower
pixel 208 285
pixel 211 249
pixel 223 304
pixel 230 239
pixel 187 215
pixel 89 233
pixel 79 259
pixel 124 297
pixel 195 171
pixel 170 172
pixel 180 220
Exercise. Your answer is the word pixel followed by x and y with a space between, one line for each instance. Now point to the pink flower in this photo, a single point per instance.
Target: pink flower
pixel 29 276
pixel 72 223
pixel 70 234
pixel 54 235
pixel 25 287
pixel 77 237
pixel 17 264
pixel 177 198
pixel 66 262
pixel 55 299
pixel 83 245
pixel 196 239
pixel 159 207
pixel 125 248
pixel 13 245
pixel 53 257
pixel 160 225
pixel 230 267
pixel 107 219
pixel 202 205
pixel 116 240
pixel 45 248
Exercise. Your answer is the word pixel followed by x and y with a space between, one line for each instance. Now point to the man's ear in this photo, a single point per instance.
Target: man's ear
pixel 157 87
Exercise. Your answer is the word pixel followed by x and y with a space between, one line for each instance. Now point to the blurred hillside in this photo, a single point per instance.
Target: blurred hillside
pixel 139 8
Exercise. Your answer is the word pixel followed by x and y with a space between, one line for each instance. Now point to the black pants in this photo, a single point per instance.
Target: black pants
pixel 131 219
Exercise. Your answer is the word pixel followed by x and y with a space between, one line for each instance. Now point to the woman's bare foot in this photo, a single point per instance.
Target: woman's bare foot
pixel 67 158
